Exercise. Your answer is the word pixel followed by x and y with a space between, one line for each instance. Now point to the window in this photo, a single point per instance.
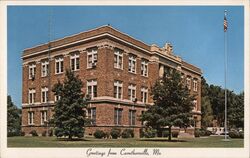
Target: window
pixel 118 89
pixel 195 85
pixel 188 81
pixel 32 96
pixel 132 117
pixel 43 117
pixel 131 92
pixel 144 95
pixel 118 116
pixel 195 105
pixel 57 97
pixel 59 65
pixel 44 97
pixel 132 64
pixel 92 57
pixel 32 71
pixel 182 75
pixel 118 59
pixel 144 67
pixel 92 88
pixel 92 115
pixel 30 117
pixel 142 122
pixel 45 68
pixel 74 62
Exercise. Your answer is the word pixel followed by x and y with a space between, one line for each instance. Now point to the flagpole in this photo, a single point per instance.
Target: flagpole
pixel 225 77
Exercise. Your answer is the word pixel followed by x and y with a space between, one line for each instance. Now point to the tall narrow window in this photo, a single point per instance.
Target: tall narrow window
pixel 32 71
pixel 118 116
pixel 59 65
pixel 132 64
pixel 31 117
pixel 32 96
pixel 45 68
pixel 142 122
pixel 144 95
pixel 195 105
pixel 118 59
pixel 92 57
pixel 118 89
pixel 131 92
pixel 144 67
pixel 92 115
pixel 74 62
pixel 44 96
pixel 92 88
pixel 188 82
pixel 195 85
pixel 57 97
pixel 43 117
pixel 132 117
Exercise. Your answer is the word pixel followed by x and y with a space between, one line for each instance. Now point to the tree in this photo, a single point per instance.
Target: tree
pixel 236 112
pixel 217 98
pixel 172 104
pixel 68 118
pixel 14 118
pixel 207 112
pixel 206 106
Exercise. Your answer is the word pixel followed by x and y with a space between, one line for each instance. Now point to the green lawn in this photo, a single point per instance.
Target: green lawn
pixel 212 141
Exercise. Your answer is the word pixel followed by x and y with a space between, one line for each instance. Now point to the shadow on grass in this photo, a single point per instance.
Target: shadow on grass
pixel 162 140
pixel 71 140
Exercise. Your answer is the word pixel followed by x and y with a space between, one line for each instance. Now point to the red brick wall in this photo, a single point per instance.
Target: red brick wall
pixel 104 73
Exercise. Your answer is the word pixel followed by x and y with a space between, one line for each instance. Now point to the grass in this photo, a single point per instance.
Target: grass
pixel 202 142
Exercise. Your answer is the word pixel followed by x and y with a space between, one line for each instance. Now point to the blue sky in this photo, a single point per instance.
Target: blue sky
pixel 195 32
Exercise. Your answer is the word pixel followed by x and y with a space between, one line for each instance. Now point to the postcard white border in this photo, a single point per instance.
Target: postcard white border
pixel 80 152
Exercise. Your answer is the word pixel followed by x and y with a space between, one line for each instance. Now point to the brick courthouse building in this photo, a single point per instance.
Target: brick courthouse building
pixel 116 69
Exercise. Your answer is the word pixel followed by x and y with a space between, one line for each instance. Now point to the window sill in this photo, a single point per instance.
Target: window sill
pixel 90 68
pixel 132 72
pixel 144 76
pixel 60 73
pixel 118 68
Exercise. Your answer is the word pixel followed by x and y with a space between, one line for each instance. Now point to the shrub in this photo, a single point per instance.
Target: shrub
pixel 50 132
pixel 204 132
pixel 197 133
pixel 107 135
pixel 33 133
pixel 165 133
pixel 208 133
pixel 22 133
pixel 241 134
pixel 150 133
pixel 44 133
pixel 99 134
pixel 11 134
pixel 236 134
pixel 175 134
pixel 141 133
pixel 127 133
pixel 115 133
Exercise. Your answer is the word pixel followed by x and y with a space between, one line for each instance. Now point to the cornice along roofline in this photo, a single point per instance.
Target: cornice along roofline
pixel 101 32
